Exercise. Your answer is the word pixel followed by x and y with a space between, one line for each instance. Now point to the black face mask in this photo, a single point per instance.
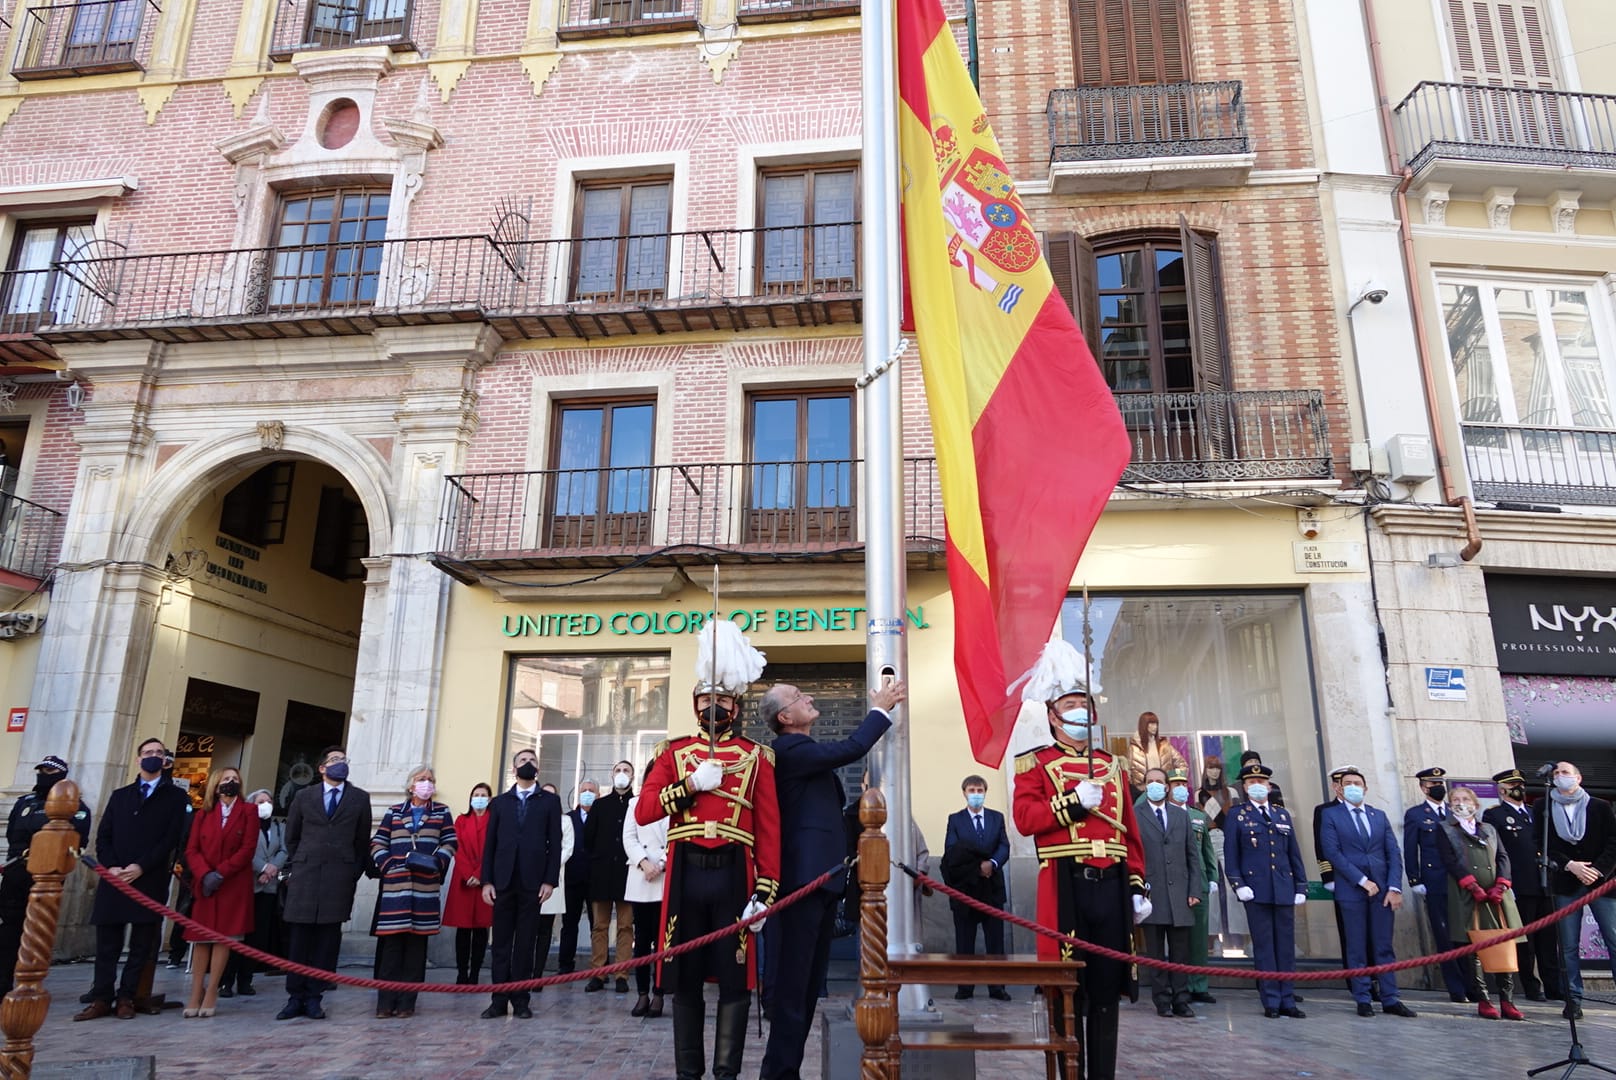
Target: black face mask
pixel 1516 793
pixel 713 718
pixel 152 763
pixel 1437 792
pixel 230 788
pixel 43 782
pixel 527 771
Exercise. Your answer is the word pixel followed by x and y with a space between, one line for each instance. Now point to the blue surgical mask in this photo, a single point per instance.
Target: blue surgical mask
pixel 1353 793
pixel 479 803
pixel 586 799
pixel 337 771
pixel 1181 793
pixel 1257 792
pixel 1155 791
pixel 975 800
pixel 1078 716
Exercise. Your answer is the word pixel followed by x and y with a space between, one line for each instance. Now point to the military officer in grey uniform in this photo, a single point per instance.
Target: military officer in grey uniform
pixel 1422 862
pixel 1263 861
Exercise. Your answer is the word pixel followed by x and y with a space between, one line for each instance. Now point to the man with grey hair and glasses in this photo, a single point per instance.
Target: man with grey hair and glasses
pixel 1582 856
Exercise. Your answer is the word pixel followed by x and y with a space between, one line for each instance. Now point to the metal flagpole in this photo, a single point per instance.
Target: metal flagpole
pixel 885 568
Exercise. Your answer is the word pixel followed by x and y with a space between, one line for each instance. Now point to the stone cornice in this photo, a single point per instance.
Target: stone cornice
pixel 1499 525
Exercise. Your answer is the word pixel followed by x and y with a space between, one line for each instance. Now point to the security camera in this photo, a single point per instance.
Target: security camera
pixel 1373 291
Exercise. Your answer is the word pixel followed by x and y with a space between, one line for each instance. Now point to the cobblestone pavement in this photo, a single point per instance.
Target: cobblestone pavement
pixel 591 1036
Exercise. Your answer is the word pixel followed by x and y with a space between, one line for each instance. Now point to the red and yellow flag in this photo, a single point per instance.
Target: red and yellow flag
pixel 1029 440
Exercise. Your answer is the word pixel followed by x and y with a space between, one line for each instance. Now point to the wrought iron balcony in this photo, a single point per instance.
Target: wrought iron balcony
pixel 1576 466
pixel 672 513
pixel 1227 435
pixel 30 536
pixel 715 279
pixel 306 25
pixel 88 38
pixel 1492 125
pixel 29 299
pixel 608 18
pixel 1148 137
pixel 784 10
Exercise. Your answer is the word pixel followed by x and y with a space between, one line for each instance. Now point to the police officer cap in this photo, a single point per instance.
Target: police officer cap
pixel 1344 770
pixel 1433 773
pixel 1509 776
pixel 51 763
pixel 1178 774
pixel 1255 770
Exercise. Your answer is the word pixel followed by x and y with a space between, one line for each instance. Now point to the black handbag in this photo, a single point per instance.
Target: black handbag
pixel 422 862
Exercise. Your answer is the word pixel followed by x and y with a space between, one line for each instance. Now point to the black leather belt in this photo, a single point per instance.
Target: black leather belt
pixel 710 858
pixel 1098 873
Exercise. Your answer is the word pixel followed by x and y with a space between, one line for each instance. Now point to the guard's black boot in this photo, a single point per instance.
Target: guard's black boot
pixel 689 1033
pixel 1101 1052
pixel 730 1041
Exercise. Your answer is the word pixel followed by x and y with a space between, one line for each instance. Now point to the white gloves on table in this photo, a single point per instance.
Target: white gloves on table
pixel 707 776
pixel 753 906
pixel 1089 794
pixel 1301 898
pixel 1244 893
pixel 1141 909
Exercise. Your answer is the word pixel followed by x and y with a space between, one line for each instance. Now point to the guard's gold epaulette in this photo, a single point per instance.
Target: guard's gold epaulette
pixel 661 748
pixel 766 753
pixel 1028 761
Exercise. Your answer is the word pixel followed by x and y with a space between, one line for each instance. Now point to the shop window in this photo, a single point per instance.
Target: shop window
pixel 256 509
pixel 583 713
pixel 328 249
pixel 604 477
pixel 800 468
pixel 33 292
pixel 621 241
pixel 1224 674
pixel 341 536
pixel 808 239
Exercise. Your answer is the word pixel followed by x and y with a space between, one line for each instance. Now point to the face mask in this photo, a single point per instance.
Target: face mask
pixel 266 811
pixel 1078 716
pixel 1564 784
pixel 1437 792
pixel 337 770
pixel 620 780
pixel 1516 793
pixel 527 771
pixel 586 799
pixel 46 781
pixel 1353 793
pixel 1464 810
pixel 1257 792
pixel 1155 791
pixel 1181 793
pixel 975 800
pixel 230 788
pixel 479 803
pixel 713 718
pixel 152 763
pixel 423 789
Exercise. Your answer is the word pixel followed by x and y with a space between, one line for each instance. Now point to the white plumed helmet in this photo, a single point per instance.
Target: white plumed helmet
pixel 1060 670
pixel 726 663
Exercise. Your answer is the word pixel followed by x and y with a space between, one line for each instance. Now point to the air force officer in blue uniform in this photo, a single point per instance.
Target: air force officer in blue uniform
pixel 1357 841
pixel 1422 859
pixel 1263 861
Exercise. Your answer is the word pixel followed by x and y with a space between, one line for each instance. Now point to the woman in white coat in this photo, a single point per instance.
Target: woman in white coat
pixel 647 848
pixel 557 904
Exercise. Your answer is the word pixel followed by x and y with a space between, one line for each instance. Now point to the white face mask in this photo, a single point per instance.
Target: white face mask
pixel 620 780
pixel 266 811
pixel 1463 810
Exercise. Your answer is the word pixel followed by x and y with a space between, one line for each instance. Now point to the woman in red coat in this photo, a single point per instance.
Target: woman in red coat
pixel 219 855
pixel 465 909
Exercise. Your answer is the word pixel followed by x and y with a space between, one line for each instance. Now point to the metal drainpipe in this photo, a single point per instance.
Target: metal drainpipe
pixel 972 62
pixel 1416 305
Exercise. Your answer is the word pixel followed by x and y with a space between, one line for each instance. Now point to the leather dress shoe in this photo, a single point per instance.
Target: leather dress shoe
pixel 493 1012
pixel 1294 1013
pixel 1204 998
pixel 595 984
pixel 963 995
pixel 226 992
pixel 313 1011
pixel 124 1010
pixel 622 985
pixel 1271 1014
pixel 1184 1011
pixel 1397 1008
pixel 1365 1009
pixel 522 1012
pixel 291 1010
pixel 1537 995
pixel 998 993
pixel 95 1011
pixel 1164 1010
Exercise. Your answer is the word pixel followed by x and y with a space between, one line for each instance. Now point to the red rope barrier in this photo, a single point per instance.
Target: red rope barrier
pixel 1281 976
pixel 211 936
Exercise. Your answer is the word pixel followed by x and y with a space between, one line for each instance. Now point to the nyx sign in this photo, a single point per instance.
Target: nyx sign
pixel 1553 625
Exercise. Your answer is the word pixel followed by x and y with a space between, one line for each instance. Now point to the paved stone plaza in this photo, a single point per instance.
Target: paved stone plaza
pixel 578 1035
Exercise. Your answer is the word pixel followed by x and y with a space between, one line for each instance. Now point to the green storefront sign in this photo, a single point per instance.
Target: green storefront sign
pixel 639 623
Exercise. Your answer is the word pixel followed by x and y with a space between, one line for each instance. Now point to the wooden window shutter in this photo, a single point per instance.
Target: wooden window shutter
pixel 1071 263
pixel 1130 42
pixel 1205 297
pixel 1086 26
pixel 1500 43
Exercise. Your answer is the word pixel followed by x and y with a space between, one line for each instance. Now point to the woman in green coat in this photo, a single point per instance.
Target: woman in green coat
pixel 1480 866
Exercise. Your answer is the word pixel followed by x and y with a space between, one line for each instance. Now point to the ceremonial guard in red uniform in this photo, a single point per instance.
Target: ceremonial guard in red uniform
pixel 717 790
pixel 1072 799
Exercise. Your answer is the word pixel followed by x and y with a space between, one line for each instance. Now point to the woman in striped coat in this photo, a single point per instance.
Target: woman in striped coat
pixel 412 849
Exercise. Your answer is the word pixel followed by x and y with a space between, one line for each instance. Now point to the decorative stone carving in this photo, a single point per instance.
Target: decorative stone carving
pixel 539 68
pixel 1500 206
pixel 154 97
pixel 1435 203
pixel 240 91
pixel 10 105
pixel 271 435
pixel 718 56
pixel 1563 207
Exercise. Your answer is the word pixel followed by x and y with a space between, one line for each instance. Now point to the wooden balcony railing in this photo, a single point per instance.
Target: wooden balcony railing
pixel 88 38
pixel 1506 124
pixel 1574 466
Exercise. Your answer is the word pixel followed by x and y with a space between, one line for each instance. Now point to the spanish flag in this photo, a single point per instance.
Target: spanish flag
pixel 1029 440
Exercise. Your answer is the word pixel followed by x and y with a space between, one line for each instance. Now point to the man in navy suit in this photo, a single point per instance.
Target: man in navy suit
pixel 1422 859
pixel 1356 840
pixel 797 940
pixel 974 855
pixel 577 880
pixel 1263 860
pixel 521 865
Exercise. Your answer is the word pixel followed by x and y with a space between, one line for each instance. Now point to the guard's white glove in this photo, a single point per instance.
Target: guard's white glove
pixel 753 906
pixel 1301 898
pixel 1244 893
pixel 707 776
pixel 1089 794
pixel 1212 888
pixel 1141 909
pixel 1419 890
pixel 1330 885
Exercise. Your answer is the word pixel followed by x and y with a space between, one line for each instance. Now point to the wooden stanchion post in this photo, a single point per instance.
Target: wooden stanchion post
pixel 51 858
pixel 876 1013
